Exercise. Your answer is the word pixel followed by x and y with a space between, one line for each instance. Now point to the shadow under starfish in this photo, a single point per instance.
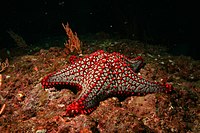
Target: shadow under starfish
pixel 99 76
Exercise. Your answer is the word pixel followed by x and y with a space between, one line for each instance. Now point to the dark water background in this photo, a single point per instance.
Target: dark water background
pixel 165 22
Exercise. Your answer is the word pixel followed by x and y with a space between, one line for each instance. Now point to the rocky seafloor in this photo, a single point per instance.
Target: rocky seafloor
pixel 26 107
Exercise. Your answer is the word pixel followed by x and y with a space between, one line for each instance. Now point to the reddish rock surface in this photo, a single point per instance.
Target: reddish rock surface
pixel 26 107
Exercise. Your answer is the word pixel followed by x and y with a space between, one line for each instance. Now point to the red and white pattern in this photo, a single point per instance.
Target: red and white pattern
pixel 102 75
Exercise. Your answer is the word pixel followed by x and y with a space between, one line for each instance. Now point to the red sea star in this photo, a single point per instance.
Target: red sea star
pixel 102 75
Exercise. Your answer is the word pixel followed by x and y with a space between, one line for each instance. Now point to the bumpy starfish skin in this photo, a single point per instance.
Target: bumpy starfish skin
pixel 102 75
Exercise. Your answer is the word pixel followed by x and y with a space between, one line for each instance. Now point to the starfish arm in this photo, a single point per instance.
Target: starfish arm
pixel 129 83
pixel 136 63
pixel 91 93
pixel 73 73
pixel 70 75
pixel 132 84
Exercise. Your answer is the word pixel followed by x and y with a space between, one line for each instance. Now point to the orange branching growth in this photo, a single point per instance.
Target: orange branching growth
pixel 73 44
pixel 3 65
